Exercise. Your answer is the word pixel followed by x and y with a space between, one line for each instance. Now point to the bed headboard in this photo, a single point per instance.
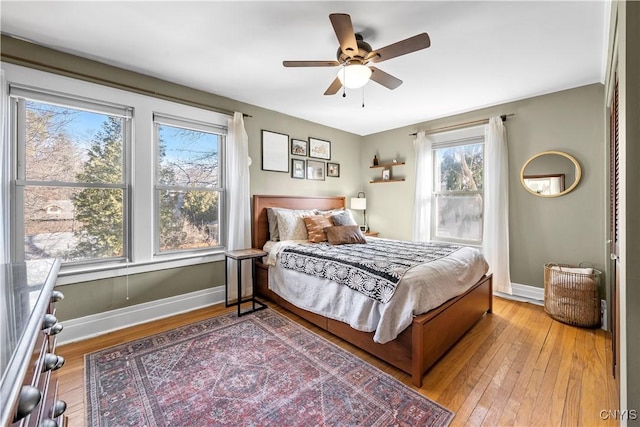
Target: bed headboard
pixel 260 224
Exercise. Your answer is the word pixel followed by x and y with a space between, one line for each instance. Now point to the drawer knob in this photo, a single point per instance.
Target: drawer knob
pixel 48 423
pixel 55 329
pixel 59 363
pixel 57 296
pixel 59 406
pixel 27 402
pixel 51 362
pixel 49 321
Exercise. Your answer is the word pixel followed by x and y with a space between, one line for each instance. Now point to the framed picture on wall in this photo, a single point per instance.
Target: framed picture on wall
pixel 297 168
pixel 319 149
pixel 315 170
pixel 298 147
pixel 333 169
pixel 275 151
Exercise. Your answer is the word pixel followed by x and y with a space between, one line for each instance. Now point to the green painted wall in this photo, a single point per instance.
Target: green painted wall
pixel 87 298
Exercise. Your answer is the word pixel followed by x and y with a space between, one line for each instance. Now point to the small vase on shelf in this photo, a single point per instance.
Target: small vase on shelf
pixel 375 160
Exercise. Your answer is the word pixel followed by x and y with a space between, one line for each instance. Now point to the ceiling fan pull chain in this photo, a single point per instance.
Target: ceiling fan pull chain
pixel 344 86
pixel 362 96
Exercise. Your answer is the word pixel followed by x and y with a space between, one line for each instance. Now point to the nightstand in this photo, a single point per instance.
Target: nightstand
pixel 240 255
pixel 372 233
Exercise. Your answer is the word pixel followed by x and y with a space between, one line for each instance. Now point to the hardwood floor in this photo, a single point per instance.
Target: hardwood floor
pixel 515 367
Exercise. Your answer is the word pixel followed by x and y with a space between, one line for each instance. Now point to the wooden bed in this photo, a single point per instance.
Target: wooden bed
pixel 419 346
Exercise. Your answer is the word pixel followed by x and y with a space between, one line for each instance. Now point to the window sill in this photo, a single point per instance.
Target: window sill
pixel 73 275
pixel 472 244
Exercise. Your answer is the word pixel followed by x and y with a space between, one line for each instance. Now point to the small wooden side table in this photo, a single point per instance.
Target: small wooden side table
pixel 372 233
pixel 241 255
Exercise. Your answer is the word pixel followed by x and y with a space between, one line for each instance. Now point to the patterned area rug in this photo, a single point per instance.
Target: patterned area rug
pixel 257 370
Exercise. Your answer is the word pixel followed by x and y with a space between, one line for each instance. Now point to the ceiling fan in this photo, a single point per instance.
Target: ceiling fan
pixel 354 55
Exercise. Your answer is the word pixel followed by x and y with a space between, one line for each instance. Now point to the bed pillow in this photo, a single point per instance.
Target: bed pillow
pixel 344 234
pixel 343 218
pixel 315 227
pixel 329 211
pixel 274 234
pixel 290 223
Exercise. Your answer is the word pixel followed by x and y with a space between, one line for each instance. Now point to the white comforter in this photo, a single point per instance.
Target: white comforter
pixel 422 288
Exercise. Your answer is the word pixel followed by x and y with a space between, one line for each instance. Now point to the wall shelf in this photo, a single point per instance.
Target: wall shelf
pixel 378 181
pixel 386 167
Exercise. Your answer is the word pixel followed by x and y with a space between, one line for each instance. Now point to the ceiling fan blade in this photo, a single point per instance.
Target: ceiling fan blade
pixel 385 79
pixel 310 63
pixel 421 41
pixel 334 87
pixel 344 31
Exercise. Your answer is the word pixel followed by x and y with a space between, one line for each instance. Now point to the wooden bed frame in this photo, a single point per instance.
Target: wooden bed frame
pixel 419 346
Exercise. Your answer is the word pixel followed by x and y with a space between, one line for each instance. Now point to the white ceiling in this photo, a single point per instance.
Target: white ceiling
pixel 481 54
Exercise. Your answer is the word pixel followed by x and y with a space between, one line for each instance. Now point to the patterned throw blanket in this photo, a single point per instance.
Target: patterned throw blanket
pixel 373 269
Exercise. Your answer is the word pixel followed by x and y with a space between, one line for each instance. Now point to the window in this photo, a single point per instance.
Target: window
pixel 101 181
pixel 458 190
pixel 71 192
pixel 188 184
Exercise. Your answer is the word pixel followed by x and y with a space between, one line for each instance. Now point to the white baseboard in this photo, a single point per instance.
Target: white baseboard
pixel 524 293
pixel 102 323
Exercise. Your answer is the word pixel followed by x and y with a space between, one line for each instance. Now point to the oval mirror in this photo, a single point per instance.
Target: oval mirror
pixel 550 174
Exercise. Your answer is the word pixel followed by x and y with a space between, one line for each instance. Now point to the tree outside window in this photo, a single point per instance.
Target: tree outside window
pixel 458 192
pixel 71 182
pixel 188 185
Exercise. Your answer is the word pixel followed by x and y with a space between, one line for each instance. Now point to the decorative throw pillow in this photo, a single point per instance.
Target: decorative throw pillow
pixel 290 223
pixel 344 234
pixel 273 225
pixel 343 218
pixel 315 227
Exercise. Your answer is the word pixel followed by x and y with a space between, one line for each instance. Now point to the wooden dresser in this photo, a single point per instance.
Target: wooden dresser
pixel 28 330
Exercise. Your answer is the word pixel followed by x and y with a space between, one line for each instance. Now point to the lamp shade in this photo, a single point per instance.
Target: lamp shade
pixel 354 76
pixel 358 203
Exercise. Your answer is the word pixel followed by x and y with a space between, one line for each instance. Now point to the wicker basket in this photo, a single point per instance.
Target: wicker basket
pixel 572 297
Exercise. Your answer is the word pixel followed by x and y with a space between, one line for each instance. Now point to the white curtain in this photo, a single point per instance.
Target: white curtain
pixel 424 186
pixel 239 202
pixel 496 205
pixel 4 171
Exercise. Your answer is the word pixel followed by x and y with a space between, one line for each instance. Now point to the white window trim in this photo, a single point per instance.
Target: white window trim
pixel 142 173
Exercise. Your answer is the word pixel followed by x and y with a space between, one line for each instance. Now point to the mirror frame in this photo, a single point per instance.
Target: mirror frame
pixel 559 153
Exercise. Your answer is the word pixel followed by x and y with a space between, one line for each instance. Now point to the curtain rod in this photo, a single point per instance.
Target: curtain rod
pixel 462 125
pixel 110 83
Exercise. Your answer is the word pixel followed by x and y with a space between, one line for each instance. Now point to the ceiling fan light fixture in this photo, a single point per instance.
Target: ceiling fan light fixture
pixel 354 76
